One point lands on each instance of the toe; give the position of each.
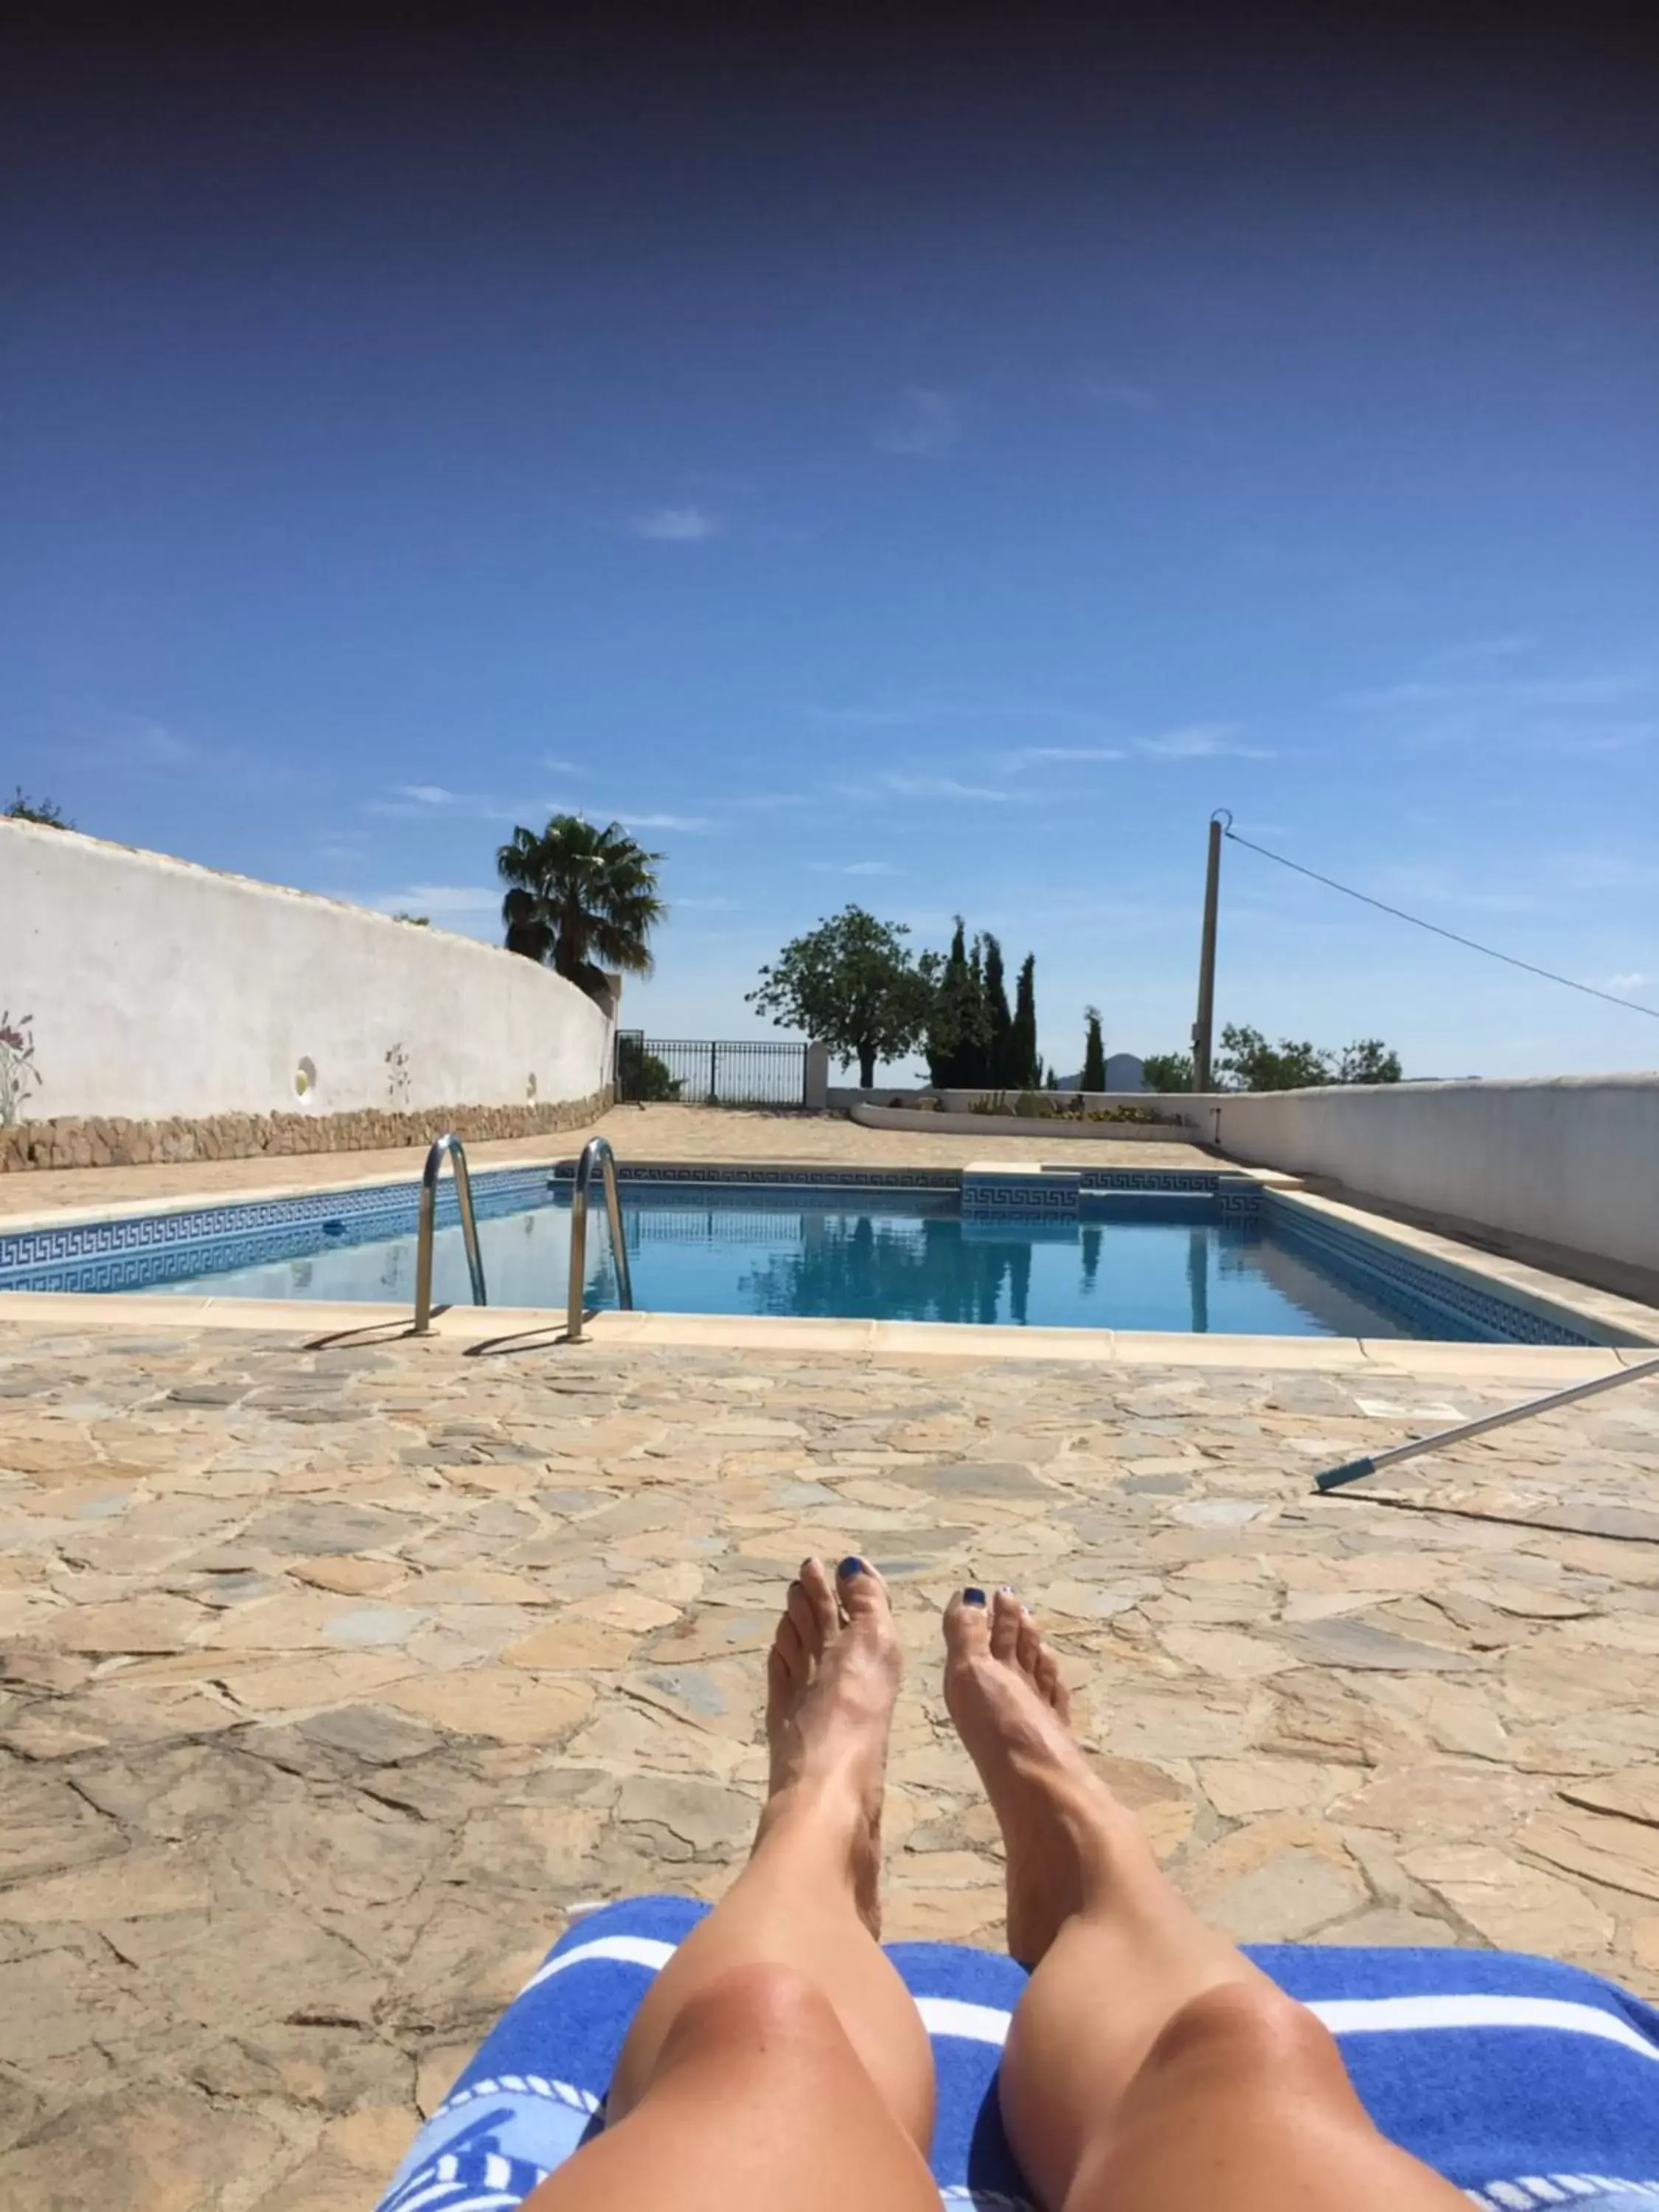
(802, 1615)
(968, 1626)
(821, 1596)
(1049, 1685)
(1005, 1617)
(1029, 1650)
(862, 1589)
(790, 1653)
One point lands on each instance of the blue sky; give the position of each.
(938, 488)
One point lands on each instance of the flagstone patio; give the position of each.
(336, 1678)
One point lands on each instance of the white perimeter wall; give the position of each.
(161, 988)
(1571, 1160)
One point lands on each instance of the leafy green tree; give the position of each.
(1368, 1060)
(45, 812)
(1025, 1068)
(1094, 1052)
(1167, 1071)
(582, 900)
(1247, 1062)
(643, 1077)
(852, 984)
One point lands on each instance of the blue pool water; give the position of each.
(1171, 1263)
(1196, 1252)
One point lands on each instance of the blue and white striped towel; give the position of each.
(1526, 2084)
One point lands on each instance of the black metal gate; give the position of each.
(709, 1072)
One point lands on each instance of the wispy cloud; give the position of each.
(1202, 741)
(1632, 979)
(1605, 870)
(693, 825)
(770, 802)
(151, 744)
(1504, 647)
(707, 905)
(944, 705)
(853, 868)
(925, 424)
(1434, 887)
(562, 767)
(1032, 756)
(438, 899)
(676, 525)
(407, 800)
(1114, 393)
(939, 786)
(1524, 691)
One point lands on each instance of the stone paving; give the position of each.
(336, 1678)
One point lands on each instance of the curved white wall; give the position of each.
(159, 988)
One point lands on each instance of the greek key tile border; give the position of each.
(1035, 1197)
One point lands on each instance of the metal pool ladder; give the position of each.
(595, 1152)
(430, 1174)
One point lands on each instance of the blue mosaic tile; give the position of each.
(380, 1210)
(1376, 1260)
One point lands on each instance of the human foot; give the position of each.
(832, 1677)
(1061, 1825)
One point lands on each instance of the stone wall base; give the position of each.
(101, 1141)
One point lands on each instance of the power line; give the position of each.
(1435, 930)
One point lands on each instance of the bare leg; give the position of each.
(778, 2051)
(1149, 2066)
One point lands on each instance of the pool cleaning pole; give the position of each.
(1334, 1477)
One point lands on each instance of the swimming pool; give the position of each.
(1192, 1252)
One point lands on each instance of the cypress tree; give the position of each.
(951, 1015)
(972, 1064)
(1094, 1053)
(1000, 1048)
(1026, 1071)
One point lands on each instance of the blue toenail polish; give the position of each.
(851, 1566)
(973, 1596)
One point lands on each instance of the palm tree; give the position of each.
(582, 900)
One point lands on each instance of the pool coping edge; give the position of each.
(501, 1330)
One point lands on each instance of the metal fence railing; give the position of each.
(709, 1072)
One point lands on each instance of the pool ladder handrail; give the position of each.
(595, 1152)
(451, 1146)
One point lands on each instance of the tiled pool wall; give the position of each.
(1440, 1285)
(137, 1251)
(131, 1252)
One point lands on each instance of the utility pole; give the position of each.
(1204, 1027)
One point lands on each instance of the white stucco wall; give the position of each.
(159, 988)
(1571, 1160)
